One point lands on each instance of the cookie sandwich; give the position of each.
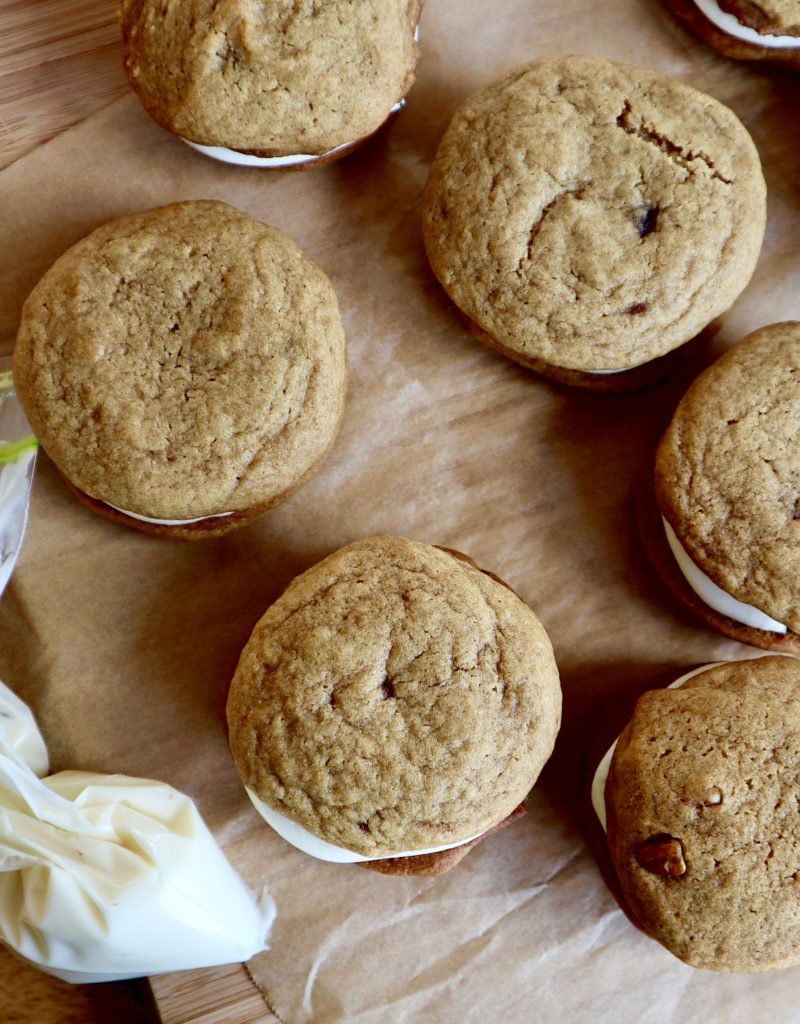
(271, 85)
(589, 218)
(724, 529)
(768, 30)
(394, 706)
(699, 798)
(184, 368)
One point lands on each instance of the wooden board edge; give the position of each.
(213, 995)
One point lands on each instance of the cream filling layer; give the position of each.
(729, 24)
(601, 775)
(233, 156)
(714, 596)
(603, 373)
(307, 842)
(166, 522)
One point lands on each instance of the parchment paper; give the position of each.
(124, 644)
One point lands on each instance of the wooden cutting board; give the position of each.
(60, 61)
(217, 995)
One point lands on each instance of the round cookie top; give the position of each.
(277, 78)
(728, 472)
(702, 815)
(394, 698)
(593, 215)
(769, 17)
(183, 362)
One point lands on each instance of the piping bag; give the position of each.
(17, 460)
(102, 877)
(105, 877)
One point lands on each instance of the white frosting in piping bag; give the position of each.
(307, 842)
(104, 877)
(714, 596)
(20, 739)
(733, 27)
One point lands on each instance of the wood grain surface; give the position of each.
(217, 995)
(29, 997)
(60, 61)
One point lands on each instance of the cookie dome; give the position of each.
(728, 472)
(183, 362)
(272, 79)
(702, 815)
(394, 698)
(591, 215)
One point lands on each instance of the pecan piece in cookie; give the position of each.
(663, 855)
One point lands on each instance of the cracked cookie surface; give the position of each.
(183, 362)
(710, 771)
(302, 76)
(394, 698)
(593, 215)
(728, 472)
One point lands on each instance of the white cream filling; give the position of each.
(733, 27)
(166, 522)
(714, 596)
(233, 156)
(603, 373)
(308, 843)
(601, 775)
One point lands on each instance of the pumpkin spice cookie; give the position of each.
(393, 706)
(590, 218)
(726, 532)
(768, 30)
(277, 85)
(184, 368)
(701, 809)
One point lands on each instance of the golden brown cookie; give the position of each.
(592, 217)
(185, 364)
(703, 829)
(727, 484)
(767, 31)
(275, 80)
(395, 699)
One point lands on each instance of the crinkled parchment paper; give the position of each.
(124, 645)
